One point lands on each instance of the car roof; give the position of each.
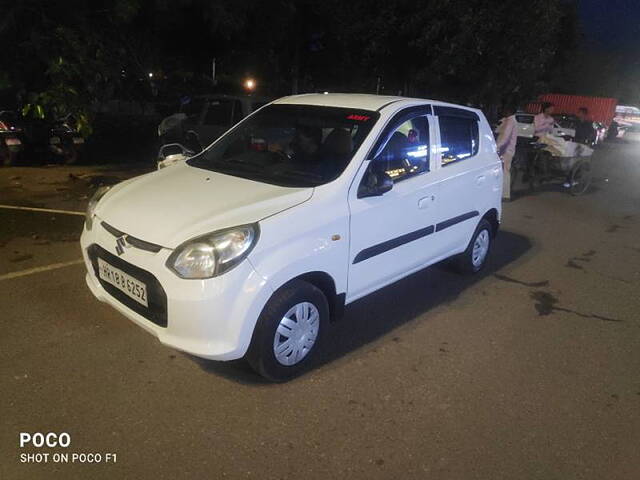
(361, 101)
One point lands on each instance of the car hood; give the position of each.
(172, 205)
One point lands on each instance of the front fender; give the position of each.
(307, 238)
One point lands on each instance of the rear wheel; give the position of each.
(7, 157)
(580, 178)
(289, 331)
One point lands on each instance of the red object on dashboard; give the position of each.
(358, 118)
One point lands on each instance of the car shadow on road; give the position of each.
(403, 302)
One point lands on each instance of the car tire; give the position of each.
(473, 259)
(269, 354)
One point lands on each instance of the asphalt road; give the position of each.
(530, 370)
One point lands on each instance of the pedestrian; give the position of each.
(543, 122)
(506, 144)
(585, 133)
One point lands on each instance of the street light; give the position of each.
(150, 74)
(250, 84)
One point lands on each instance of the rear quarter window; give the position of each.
(459, 138)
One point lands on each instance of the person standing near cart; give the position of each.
(543, 122)
(585, 133)
(506, 144)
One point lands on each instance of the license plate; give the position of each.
(12, 141)
(123, 282)
(78, 140)
(54, 140)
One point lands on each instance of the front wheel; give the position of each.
(580, 178)
(473, 259)
(70, 155)
(289, 331)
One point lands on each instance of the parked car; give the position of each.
(526, 128)
(250, 248)
(11, 140)
(632, 133)
(202, 119)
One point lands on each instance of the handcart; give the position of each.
(538, 164)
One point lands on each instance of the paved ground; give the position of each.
(528, 371)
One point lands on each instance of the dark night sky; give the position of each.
(613, 24)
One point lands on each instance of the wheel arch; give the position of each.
(492, 217)
(327, 285)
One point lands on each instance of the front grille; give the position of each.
(112, 230)
(133, 241)
(156, 312)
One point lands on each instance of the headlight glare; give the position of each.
(213, 254)
(93, 203)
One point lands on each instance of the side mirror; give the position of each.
(173, 153)
(375, 184)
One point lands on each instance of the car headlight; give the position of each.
(91, 207)
(213, 254)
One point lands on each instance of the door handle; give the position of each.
(480, 180)
(426, 201)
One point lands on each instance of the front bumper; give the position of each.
(211, 318)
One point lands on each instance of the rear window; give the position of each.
(223, 113)
(192, 107)
(459, 138)
(524, 119)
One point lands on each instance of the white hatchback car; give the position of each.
(251, 247)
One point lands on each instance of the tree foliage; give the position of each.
(67, 56)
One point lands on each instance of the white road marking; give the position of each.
(31, 271)
(45, 210)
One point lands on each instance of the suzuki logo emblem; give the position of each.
(121, 243)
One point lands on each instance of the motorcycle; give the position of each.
(11, 141)
(65, 141)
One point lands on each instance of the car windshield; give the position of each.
(290, 145)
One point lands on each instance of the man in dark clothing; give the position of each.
(585, 133)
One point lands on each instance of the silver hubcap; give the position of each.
(480, 248)
(296, 333)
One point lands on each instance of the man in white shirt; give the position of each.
(543, 122)
(506, 143)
